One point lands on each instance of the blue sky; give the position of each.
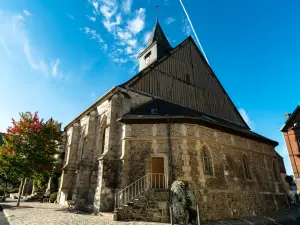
(57, 56)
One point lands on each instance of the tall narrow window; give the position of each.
(103, 140)
(83, 148)
(246, 168)
(275, 171)
(207, 166)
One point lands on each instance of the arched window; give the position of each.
(206, 159)
(275, 171)
(246, 168)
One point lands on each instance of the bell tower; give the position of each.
(158, 46)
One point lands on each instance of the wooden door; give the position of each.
(157, 172)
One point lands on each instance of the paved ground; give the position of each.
(3, 220)
(34, 213)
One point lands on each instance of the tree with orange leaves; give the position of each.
(29, 148)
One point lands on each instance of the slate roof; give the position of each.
(161, 111)
(159, 36)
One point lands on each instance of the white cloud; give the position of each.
(95, 4)
(170, 20)
(19, 17)
(92, 34)
(146, 37)
(109, 25)
(92, 18)
(123, 34)
(71, 16)
(42, 66)
(27, 13)
(127, 6)
(246, 118)
(4, 45)
(128, 50)
(120, 60)
(132, 42)
(187, 30)
(108, 11)
(138, 23)
(55, 67)
(125, 42)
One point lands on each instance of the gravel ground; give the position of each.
(35, 213)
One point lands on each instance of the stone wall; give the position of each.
(93, 165)
(227, 192)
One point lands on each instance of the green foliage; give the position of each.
(29, 146)
(183, 202)
(53, 197)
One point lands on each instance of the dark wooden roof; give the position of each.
(161, 111)
(183, 77)
(289, 122)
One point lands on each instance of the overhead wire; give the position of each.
(190, 22)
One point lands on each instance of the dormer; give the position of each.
(158, 46)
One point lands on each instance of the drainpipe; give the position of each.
(170, 168)
(170, 154)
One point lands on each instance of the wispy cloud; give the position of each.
(4, 46)
(187, 30)
(146, 37)
(41, 65)
(138, 23)
(246, 118)
(27, 13)
(167, 2)
(92, 18)
(71, 16)
(92, 34)
(170, 20)
(18, 45)
(19, 17)
(123, 25)
(55, 67)
(127, 6)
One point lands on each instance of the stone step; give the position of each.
(108, 216)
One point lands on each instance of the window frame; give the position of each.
(246, 168)
(207, 162)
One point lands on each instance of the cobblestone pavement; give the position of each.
(35, 213)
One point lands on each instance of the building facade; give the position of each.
(171, 121)
(291, 133)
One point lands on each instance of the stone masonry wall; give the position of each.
(225, 193)
(93, 168)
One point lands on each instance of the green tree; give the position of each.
(30, 146)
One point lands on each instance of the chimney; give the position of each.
(287, 116)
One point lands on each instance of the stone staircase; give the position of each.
(151, 205)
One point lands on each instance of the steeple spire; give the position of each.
(158, 46)
(159, 36)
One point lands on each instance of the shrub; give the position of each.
(53, 197)
(183, 202)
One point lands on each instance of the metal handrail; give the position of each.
(149, 181)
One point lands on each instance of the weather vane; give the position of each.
(156, 12)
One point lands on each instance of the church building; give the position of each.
(171, 121)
